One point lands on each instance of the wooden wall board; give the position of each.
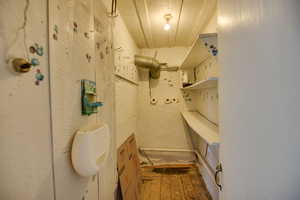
(129, 169)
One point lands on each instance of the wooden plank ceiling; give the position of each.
(145, 20)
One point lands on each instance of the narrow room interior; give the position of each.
(149, 100)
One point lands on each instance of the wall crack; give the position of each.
(20, 29)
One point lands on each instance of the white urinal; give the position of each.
(90, 150)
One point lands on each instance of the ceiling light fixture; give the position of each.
(167, 26)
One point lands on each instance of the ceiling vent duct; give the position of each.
(149, 63)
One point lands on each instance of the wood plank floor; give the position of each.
(173, 183)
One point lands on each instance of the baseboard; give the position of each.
(163, 156)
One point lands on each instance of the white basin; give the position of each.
(90, 150)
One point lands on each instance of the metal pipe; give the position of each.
(148, 63)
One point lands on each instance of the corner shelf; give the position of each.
(204, 128)
(198, 53)
(211, 82)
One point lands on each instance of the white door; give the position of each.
(259, 43)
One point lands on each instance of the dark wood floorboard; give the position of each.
(173, 183)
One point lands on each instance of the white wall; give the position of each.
(69, 65)
(66, 77)
(25, 107)
(25, 139)
(126, 91)
(259, 99)
(161, 125)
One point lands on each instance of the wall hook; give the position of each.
(21, 65)
(88, 97)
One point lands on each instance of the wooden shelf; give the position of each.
(211, 82)
(198, 53)
(195, 56)
(204, 128)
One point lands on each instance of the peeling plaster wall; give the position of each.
(79, 30)
(126, 92)
(126, 110)
(27, 110)
(106, 84)
(161, 125)
(25, 140)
